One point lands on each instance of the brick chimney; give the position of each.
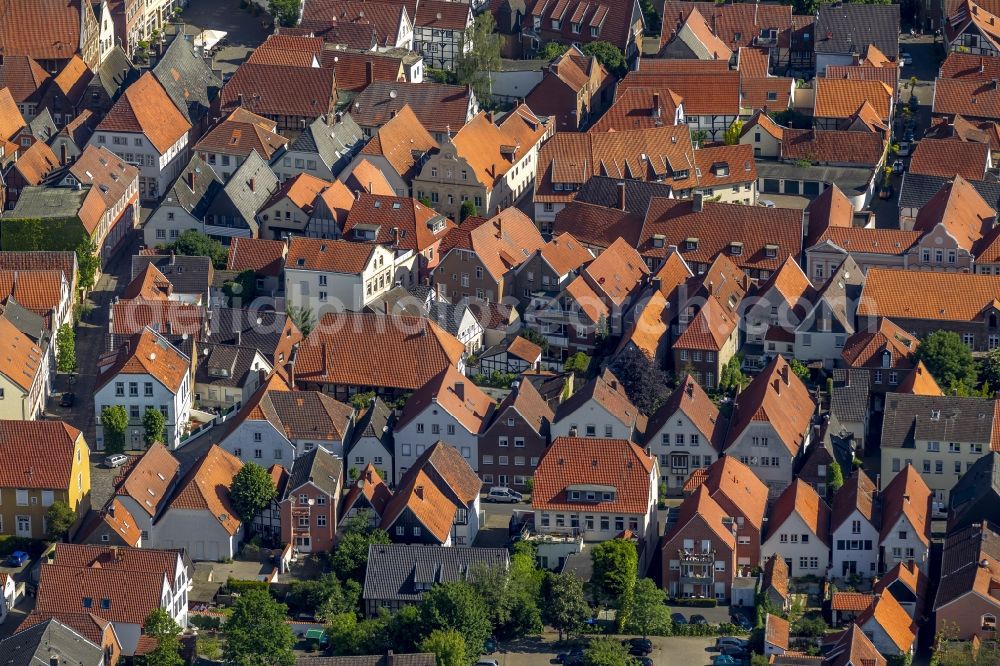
(621, 195)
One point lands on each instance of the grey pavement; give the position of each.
(245, 29)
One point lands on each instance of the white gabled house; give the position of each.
(338, 275)
(448, 408)
(601, 408)
(906, 521)
(799, 529)
(854, 528)
(145, 372)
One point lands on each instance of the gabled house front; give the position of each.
(854, 528)
(799, 529)
(310, 506)
(601, 408)
(906, 520)
(699, 550)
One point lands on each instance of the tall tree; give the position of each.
(114, 420)
(732, 379)
(87, 263)
(303, 317)
(650, 614)
(949, 360)
(66, 349)
(474, 66)
(565, 608)
(197, 244)
(616, 568)
(350, 558)
(59, 517)
(165, 631)
(448, 647)
(252, 490)
(256, 632)
(242, 289)
(644, 381)
(834, 477)
(731, 136)
(285, 12)
(608, 55)
(154, 424)
(456, 605)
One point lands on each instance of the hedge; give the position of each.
(237, 586)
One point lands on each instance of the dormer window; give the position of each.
(300, 262)
(737, 36)
(935, 415)
(595, 30)
(576, 28)
(772, 96)
(770, 251)
(736, 248)
(659, 240)
(691, 244)
(681, 174)
(556, 24)
(720, 169)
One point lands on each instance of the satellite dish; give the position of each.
(184, 337)
(392, 94)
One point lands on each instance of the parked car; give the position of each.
(67, 399)
(638, 647)
(729, 641)
(898, 167)
(734, 651)
(502, 494)
(678, 618)
(698, 619)
(17, 558)
(115, 460)
(905, 58)
(741, 621)
(766, 203)
(571, 658)
(905, 148)
(723, 660)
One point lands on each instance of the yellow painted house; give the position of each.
(43, 462)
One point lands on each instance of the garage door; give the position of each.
(791, 187)
(810, 188)
(772, 185)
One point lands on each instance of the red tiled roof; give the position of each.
(371, 486)
(403, 140)
(865, 348)
(850, 601)
(703, 93)
(894, 620)
(264, 257)
(699, 505)
(331, 256)
(206, 487)
(440, 108)
(41, 291)
(35, 163)
(150, 478)
(871, 241)
(899, 294)
(639, 108)
(709, 330)
(969, 66)
(456, 395)
(571, 461)
(351, 68)
(385, 18)
(942, 157)
(616, 272)
(967, 97)
(857, 494)
(773, 93)
(778, 396)
(148, 353)
(887, 75)
(241, 133)
(145, 108)
(832, 146)
(725, 165)
(281, 90)
(776, 631)
(690, 399)
(907, 495)
(23, 76)
(841, 98)
(39, 454)
(800, 499)
(409, 216)
(63, 589)
(41, 29)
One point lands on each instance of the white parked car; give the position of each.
(502, 494)
(115, 460)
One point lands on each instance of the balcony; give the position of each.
(697, 580)
(697, 556)
(557, 340)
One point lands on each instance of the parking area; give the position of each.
(245, 29)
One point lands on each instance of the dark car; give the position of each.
(741, 621)
(17, 558)
(642, 661)
(67, 400)
(638, 647)
(678, 618)
(734, 651)
(698, 619)
(572, 658)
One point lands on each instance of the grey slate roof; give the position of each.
(909, 418)
(188, 79)
(447, 315)
(963, 551)
(115, 71)
(195, 200)
(38, 644)
(851, 391)
(246, 200)
(48, 202)
(395, 569)
(410, 659)
(400, 301)
(189, 275)
(851, 180)
(24, 320)
(43, 126)
(603, 191)
(320, 467)
(917, 189)
(376, 422)
(847, 27)
(335, 144)
(225, 322)
(976, 493)
(224, 365)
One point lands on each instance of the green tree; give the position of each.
(285, 12)
(196, 244)
(578, 364)
(565, 608)
(59, 517)
(604, 651)
(66, 349)
(303, 317)
(114, 420)
(448, 647)
(473, 67)
(989, 368)
(324, 597)
(350, 636)
(360, 401)
(87, 263)
(511, 594)
(468, 209)
(251, 491)
(425, 201)
(699, 137)
(531, 335)
(834, 477)
(948, 359)
(242, 289)
(616, 568)
(732, 379)
(162, 627)
(800, 369)
(404, 629)
(731, 136)
(608, 55)
(551, 50)
(644, 381)
(456, 605)
(350, 558)
(256, 632)
(154, 425)
(650, 614)
(651, 16)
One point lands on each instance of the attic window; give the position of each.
(691, 244)
(88, 602)
(300, 262)
(658, 240)
(736, 248)
(772, 96)
(771, 251)
(105, 604)
(720, 169)
(935, 415)
(737, 36)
